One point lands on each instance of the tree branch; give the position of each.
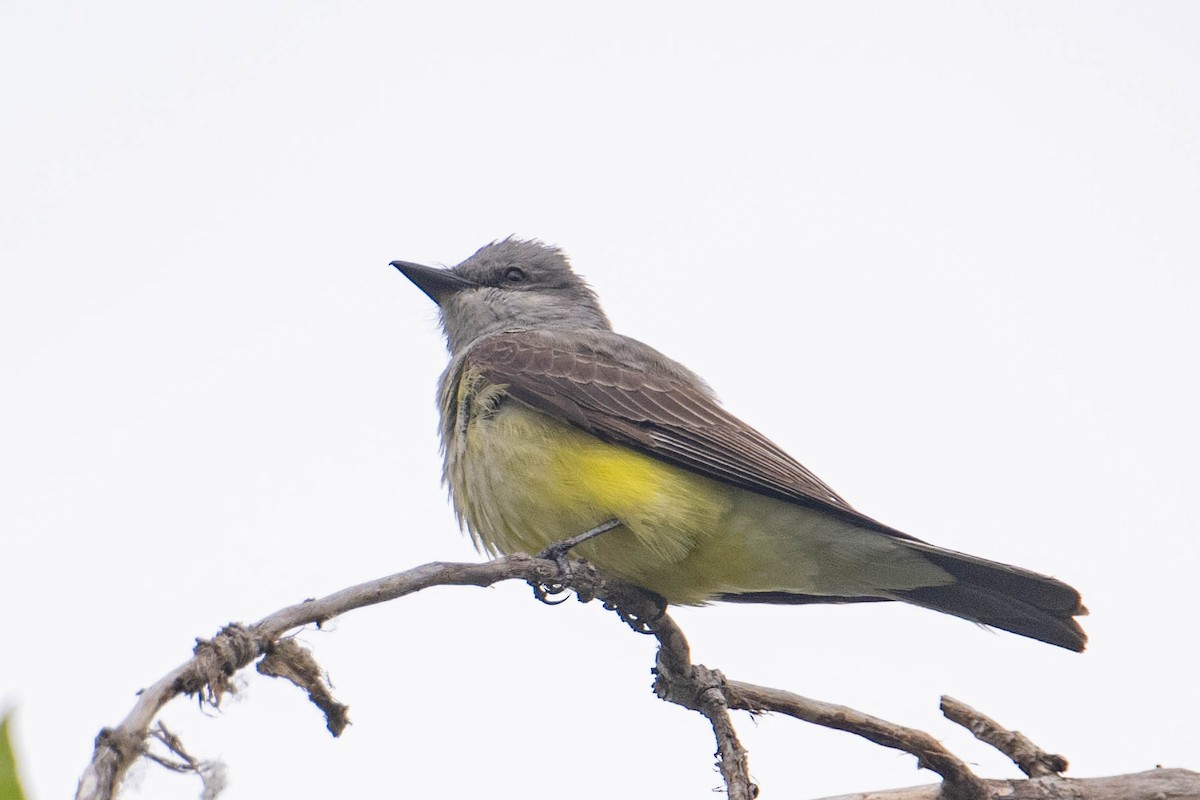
(214, 662)
(1030, 758)
(959, 783)
(1155, 784)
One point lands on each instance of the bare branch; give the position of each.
(1030, 758)
(1155, 784)
(703, 690)
(677, 680)
(211, 773)
(207, 674)
(214, 661)
(959, 782)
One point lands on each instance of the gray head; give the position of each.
(509, 285)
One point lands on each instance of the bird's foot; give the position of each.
(557, 553)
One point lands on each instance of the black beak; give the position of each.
(437, 283)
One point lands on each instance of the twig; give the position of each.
(677, 680)
(959, 783)
(701, 689)
(1030, 758)
(211, 773)
(214, 661)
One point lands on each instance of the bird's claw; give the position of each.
(545, 591)
(557, 553)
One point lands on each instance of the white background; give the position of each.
(944, 253)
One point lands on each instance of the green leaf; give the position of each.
(10, 785)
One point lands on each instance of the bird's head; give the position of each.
(508, 285)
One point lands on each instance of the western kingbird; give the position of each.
(552, 425)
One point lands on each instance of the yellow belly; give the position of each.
(522, 481)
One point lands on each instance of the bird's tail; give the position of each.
(1002, 596)
(987, 592)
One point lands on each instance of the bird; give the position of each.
(553, 425)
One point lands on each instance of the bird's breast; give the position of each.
(522, 480)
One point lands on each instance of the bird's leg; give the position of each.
(557, 553)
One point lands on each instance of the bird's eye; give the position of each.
(514, 275)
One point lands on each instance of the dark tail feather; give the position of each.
(987, 592)
(1002, 596)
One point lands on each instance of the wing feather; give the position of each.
(615, 389)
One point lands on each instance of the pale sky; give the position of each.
(945, 254)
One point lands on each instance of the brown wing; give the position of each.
(597, 382)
